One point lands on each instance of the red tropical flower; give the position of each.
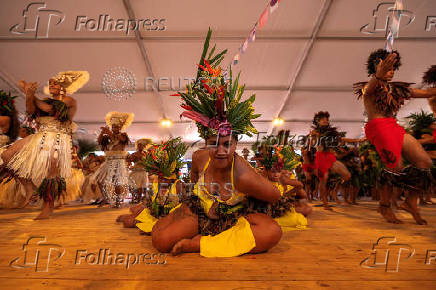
(208, 89)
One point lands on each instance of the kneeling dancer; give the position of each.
(214, 220)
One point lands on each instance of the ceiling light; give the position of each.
(277, 121)
(166, 123)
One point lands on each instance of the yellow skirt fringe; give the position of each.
(292, 221)
(233, 242)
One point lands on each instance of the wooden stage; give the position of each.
(328, 255)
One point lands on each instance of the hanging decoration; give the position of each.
(394, 26)
(260, 23)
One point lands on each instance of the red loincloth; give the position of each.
(387, 137)
(308, 167)
(434, 136)
(323, 162)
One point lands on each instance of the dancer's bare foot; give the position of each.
(129, 221)
(419, 220)
(389, 215)
(135, 210)
(25, 203)
(186, 246)
(45, 213)
(120, 218)
(425, 202)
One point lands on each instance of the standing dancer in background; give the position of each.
(113, 176)
(349, 156)
(308, 166)
(44, 158)
(12, 193)
(75, 182)
(9, 124)
(423, 128)
(90, 189)
(139, 175)
(327, 139)
(382, 100)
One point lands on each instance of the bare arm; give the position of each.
(43, 106)
(104, 131)
(253, 184)
(419, 93)
(285, 178)
(29, 89)
(426, 139)
(79, 162)
(72, 107)
(5, 123)
(382, 68)
(370, 86)
(195, 171)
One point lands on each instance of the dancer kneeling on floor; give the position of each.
(214, 220)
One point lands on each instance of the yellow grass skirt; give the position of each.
(233, 242)
(146, 221)
(292, 221)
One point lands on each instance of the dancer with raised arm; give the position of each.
(113, 176)
(43, 159)
(383, 99)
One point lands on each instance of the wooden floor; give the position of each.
(328, 255)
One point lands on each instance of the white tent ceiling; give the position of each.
(304, 60)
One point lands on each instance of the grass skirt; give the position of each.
(52, 142)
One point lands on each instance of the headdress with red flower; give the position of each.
(165, 159)
(214, 102)
(273, 155)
